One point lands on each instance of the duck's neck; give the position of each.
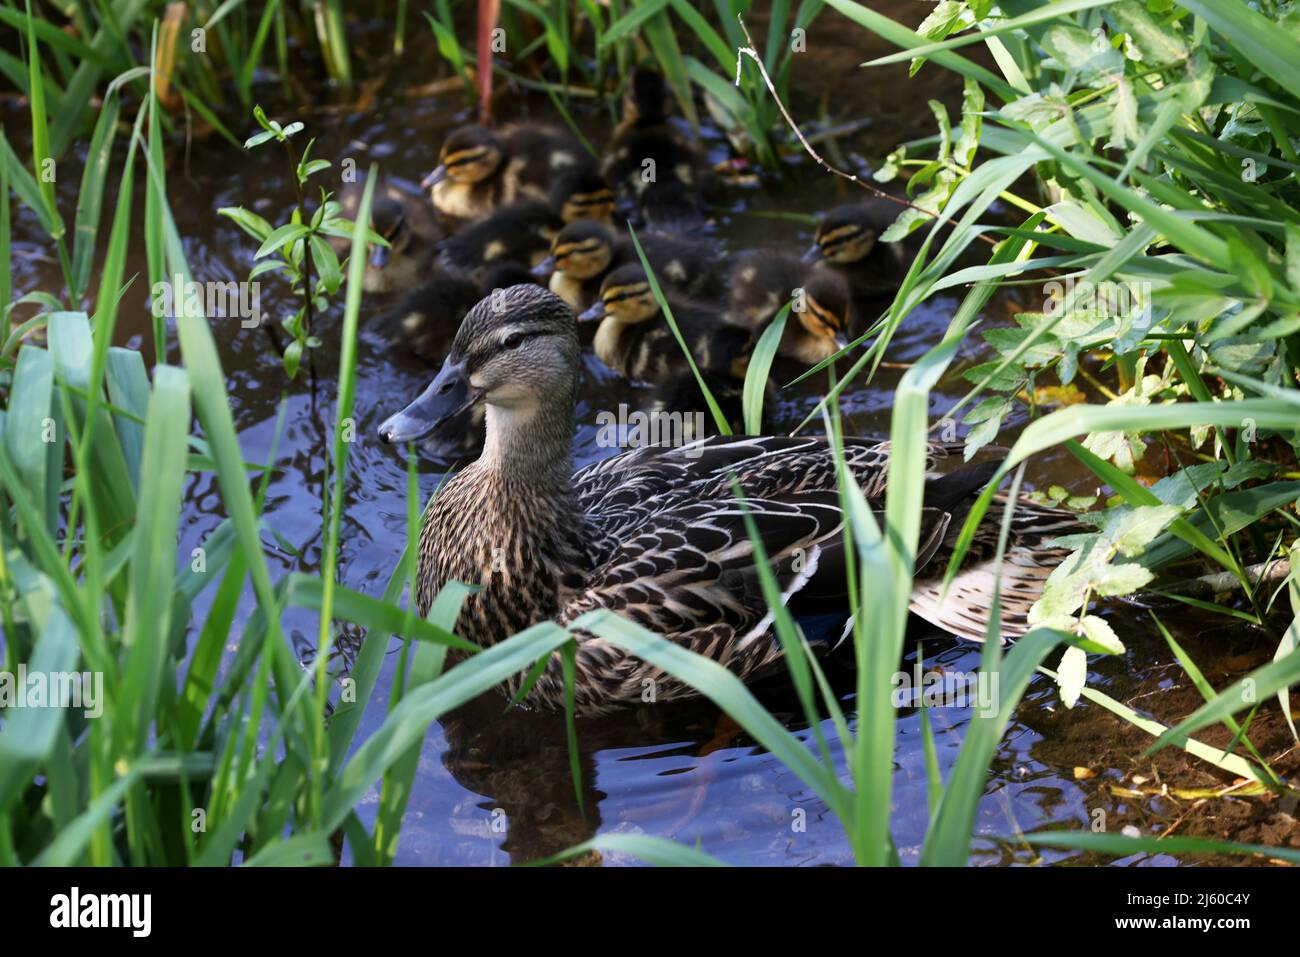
(531, 444)
(510, 523)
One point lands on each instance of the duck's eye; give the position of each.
(513, 341)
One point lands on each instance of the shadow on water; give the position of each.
(494, 787)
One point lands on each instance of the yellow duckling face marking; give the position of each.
(628, 301)
(472, 166)
(846, 244)
(593, 206)
(823, 330)
(582, 260)
(582, 250)
(469, 155)
(823, 316)
(820, 321)
(847, 234)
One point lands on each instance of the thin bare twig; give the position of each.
(751, 52)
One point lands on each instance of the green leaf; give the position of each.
(1072, 675)
(760, 366)
(280, 238)
(248, 221)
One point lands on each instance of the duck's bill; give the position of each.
(597, 311)
(434, 178)
(448, 395)
(544, 268)
(813, 253)
(378, 256)
(841, 341)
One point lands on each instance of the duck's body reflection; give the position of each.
(518, 761)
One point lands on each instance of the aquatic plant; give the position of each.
(301, 249)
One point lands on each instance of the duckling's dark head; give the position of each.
(469, 155)
(582, 250)
(388, 219)
(504, 275)
(516, 350)
(847, 234)
(625, 296)
(825, 312)
(646, 99)
(581, 193)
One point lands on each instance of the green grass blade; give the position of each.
(760, 365)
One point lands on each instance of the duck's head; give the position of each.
(646, 97)
(581, 194)
(581, 250)
(469, 154)
(825, 313)
(625, 296)
(514, 351)
(388, 219)
(846, 235)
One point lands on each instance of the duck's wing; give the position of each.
(690, 572)
(692, 575)
(1030, 557)
(620, 493)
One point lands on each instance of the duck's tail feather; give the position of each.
(1030, 557)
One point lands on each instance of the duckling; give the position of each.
(763, 281)
(401, 263)
(846, 240)
(655, 167)
(635, 340)
(681, 396)
(583, 253)
(522, 232)
(655, 534)
(424, 321)
(481, 169)
(519, 233)
(580, 194)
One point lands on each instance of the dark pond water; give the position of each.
(494, 787)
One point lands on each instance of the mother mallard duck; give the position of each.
(656, 533)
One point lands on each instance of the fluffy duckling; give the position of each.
(582, 254)
(846, 240)
(681, 395)
(654, 166)
(402, 263)
(522, 232)
(763, 281)
(519, 233)
(581, 194)
(424, 321)
(481, 169)
(634, 338)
